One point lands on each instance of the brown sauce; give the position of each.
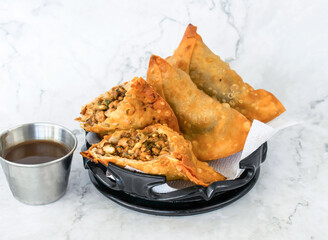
(35, 152)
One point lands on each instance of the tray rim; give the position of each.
(152, 210)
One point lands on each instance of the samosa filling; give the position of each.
(105, 105)
(134, 145)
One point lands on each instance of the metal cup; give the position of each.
(43, 183)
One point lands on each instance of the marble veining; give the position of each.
(57, 55)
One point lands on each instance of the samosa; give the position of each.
(217, 79)
(157, 149)
(133, 104)
(215, 130)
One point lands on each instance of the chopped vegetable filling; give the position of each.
(135, 145)
(107, 104)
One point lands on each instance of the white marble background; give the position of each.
(57, 55)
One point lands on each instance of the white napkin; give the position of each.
(229, 166)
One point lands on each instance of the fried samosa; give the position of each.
(214, 76)
(133, 104)
(156, 149)
(214, 129)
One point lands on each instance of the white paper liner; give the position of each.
(229, 166)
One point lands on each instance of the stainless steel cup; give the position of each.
(43, 183)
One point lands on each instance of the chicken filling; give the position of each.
(134, 145)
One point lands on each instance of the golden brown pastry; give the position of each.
(214, 129)
(133, 104)
(156, 149)
(215, 77)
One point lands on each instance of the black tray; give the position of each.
(135, 190)
(178, 208)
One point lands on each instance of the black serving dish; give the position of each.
(135, 190)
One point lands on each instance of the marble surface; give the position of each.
(57, 55)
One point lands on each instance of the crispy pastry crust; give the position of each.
(141, 107)
(179, 163)
(214, 129)
(215, 77)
